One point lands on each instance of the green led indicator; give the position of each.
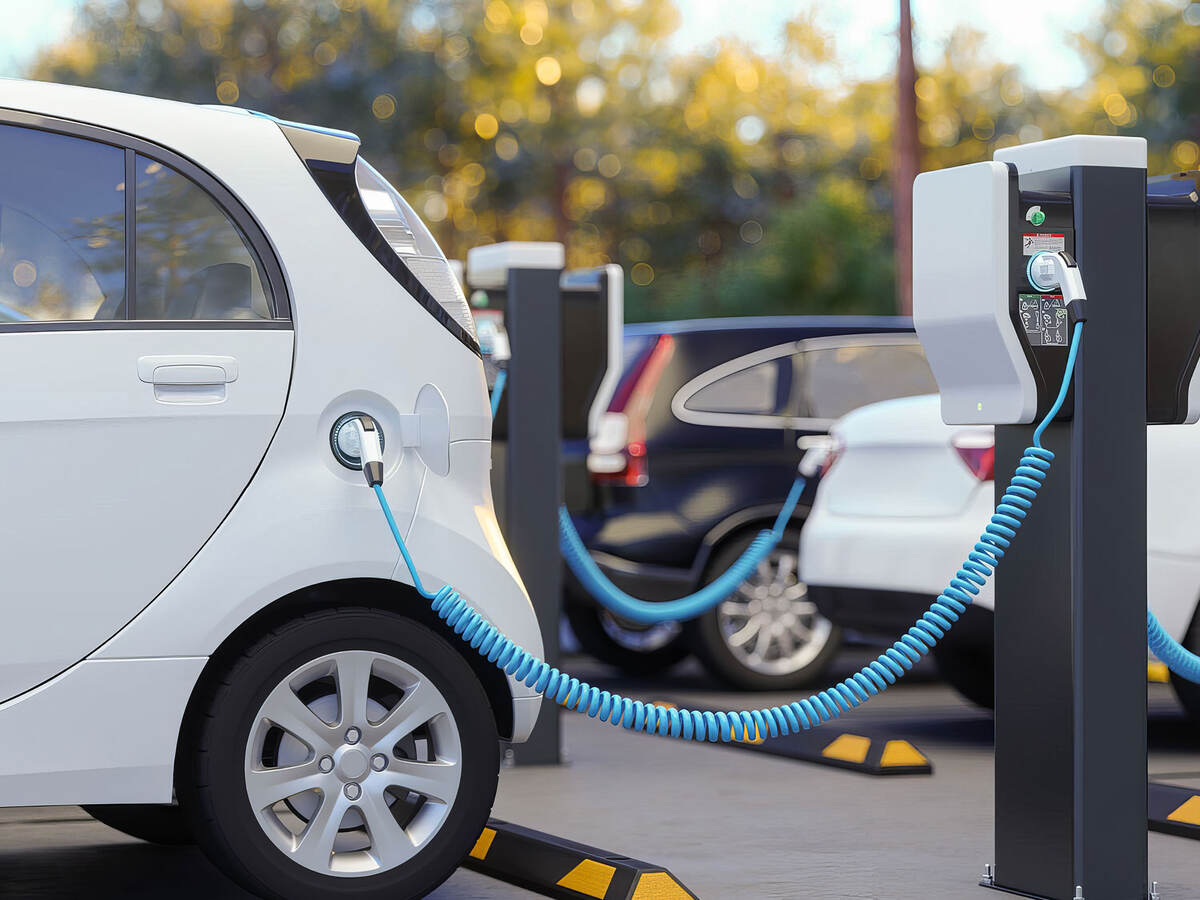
(1037, 217)
(979, 407)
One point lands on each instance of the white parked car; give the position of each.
(905, 496)
(202, 601)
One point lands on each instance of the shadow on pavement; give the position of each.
(112, 870)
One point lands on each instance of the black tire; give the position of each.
(213, 790)
(709, 643)
(611, 646)
(968, 668)
(164, 824)
(1188, 692)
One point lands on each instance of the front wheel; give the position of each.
(348, 753)
(768, 635)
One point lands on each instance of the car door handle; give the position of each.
(187, 369)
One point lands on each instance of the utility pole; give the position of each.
(907, 160)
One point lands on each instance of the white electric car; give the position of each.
(208, 629)
(903, 500)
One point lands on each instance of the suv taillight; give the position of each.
(978, 454)
(617, 451)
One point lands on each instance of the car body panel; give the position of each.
(855, 537)
(112, 489)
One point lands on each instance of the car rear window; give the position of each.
(841, 379)
(755, 390)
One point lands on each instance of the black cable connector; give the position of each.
(1077, 311)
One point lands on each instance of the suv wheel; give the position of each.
(348, 753)
(767, 635)
(634, 649)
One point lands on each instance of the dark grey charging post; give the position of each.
(524, 280)
(1070, 618)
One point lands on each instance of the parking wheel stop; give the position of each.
(1173, 809)
(555, 867)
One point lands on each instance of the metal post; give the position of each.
(533, 475)
(1071, 593)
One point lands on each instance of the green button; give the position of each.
(1037, 217)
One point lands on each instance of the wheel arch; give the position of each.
(383, 594)
(752, 518)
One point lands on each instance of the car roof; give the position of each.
(847, 324)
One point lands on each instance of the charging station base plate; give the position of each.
(1012, 892)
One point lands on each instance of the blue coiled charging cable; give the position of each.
(498, 390)
(649, 612)
(774, 721)
(645, 612)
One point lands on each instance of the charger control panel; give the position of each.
(986, 305)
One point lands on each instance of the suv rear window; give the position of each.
(841, 379)
(755, 390)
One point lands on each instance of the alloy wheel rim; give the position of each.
(353, 763)
(769, 623)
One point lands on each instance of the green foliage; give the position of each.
(827, 255)
(570, 120)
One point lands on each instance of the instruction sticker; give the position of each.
(1036, 241)
(1044, 317)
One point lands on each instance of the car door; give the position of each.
(145, 356)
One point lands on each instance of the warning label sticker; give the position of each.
(1045, 319)
(1037, 241)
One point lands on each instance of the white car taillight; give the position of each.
(409, 239)
(978, 453)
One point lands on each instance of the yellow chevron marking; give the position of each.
(590, 878)
(851, 748)
(1188, 813)
(901, 753)
(484, 844)
(659, 886)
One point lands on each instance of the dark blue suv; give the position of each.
(695, 455)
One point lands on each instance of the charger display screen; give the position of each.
(1044, 317)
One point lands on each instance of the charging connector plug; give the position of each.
(1050, 270)
(371, 450)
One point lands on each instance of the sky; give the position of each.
(1031, 33)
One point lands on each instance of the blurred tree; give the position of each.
(724, 181)
(828, 254)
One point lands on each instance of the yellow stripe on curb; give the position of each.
(1157, 673)
(901, 753)
(659, 886)
(484, 844)
(590, 878)
(851, 748)
(1188, 813)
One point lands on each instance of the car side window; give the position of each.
(840, 379)
(754, 390)
(62, 228)
(191, 260)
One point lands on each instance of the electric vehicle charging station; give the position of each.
(994, 287)
(562, 347)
